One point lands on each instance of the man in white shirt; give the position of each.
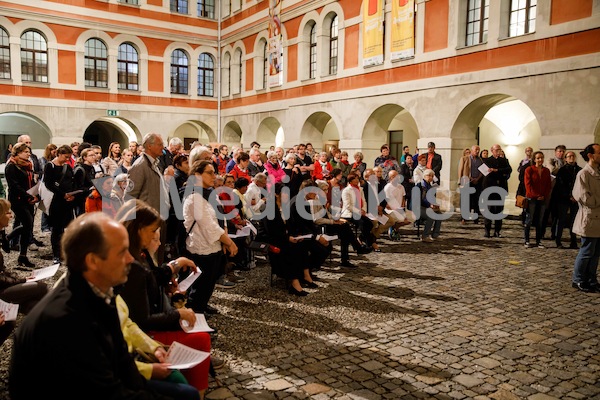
(395, 195)
(255, 195)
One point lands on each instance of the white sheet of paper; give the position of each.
(74, 192)
(308, 236)
(484, 169)
(43, 273)
(240, 233)
(329, 238)
(181, 356)
(35, 190)
(371, 217)
(252, 228)
(9, 310)
(200, 326)
(382, 219)
(187, 282)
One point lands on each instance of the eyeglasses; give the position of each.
(209, 172)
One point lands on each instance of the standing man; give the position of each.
(555, 163)
(77, 324)
(498, 174)
(149, 183)
(434, 160)
(405, 154)
(306, 163)
(222, 159)
(166, 159)
(468, 172)
(256, 165)
(587, 193)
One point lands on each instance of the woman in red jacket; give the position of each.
(537, 188)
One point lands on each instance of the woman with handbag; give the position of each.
(58, 179)
(537, 188)
(19, 176)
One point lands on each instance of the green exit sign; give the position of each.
(112, 113)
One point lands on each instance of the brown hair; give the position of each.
(19, 148)
(88, 226)
(136, 214)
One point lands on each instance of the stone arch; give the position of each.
(496, 118)
(232, 134)
(105, 130)
(15, 124)
(597, 132)
(266, 133)
(391, 124)
(321, 129)
(193, 130)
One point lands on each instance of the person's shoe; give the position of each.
(559, 246)
(347, 264)
(363, 250)
(216, 362)
(595, 287)
(5, 244)
(300, 293)
(222, 283)
(582, 287)
(462, 221)
(427, 239)
(310, 285)
(56, 260)
(38, 243)
(46, 232)
(14, 245)
(23, 261)
(487, 235)
(497, 234)
(540, 246)
(232, 277)
(210, 310)
(528, 245)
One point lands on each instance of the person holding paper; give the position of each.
(354, 209)
(14, 289)
(499, 171)
(76, 326)
(290, 263)
(425, 185)
(147, 289)
(20, 178)
(58, 179)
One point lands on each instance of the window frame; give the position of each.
(333, 46)
(5, 70)
(208, 88)
(481, 22)
(178, 69)
(125, 72)
(176, 6)
(529, 23)
(206, 10)
(312, 52)
(38, 77)
(96, 71)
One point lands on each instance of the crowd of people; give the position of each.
(153, 215)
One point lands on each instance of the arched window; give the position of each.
(4, 55)
(96, 63)
(34, 57)
(333, 46)
(206, 8)
(206, 75)
(179, 72)
(312, 59)
(239, 70)
(128, 67)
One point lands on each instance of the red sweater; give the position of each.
(536, 185)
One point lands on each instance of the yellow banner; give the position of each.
(372, 32)
(403, 29)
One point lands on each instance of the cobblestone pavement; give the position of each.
(464, 317)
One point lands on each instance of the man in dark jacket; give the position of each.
(498, 174)
(434, 160)
(71, 341)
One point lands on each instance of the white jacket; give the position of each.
(587, 193)
(350, 204)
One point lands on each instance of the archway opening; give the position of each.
(232, 134)
(195, 131)
(106, 130)
(15, 124)
(267, 133)
(321, 130)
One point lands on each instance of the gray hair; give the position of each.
(175, 142)
(197, 152)
(428, 172)
(150, 138)
(259, 177)
(289, 156)
(271, 153)
(119, 178)
(254, 150)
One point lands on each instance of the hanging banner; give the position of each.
(373, 32)
(275, 45)
(403, 29)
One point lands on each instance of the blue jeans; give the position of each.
(429, 224)
(586, 263)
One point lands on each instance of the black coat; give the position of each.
(72, 343)
(18, 184)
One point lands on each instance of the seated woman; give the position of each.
(291, 262)
(14, 289)
(145, 291)
(340, 227)
(354, 209)
(425, 185)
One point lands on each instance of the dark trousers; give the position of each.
(61, 214)
(346, 236)
(535, 213)
(24, 213)
(365, 225)
(497, 223)
(202, 289)
(566, 217)
(474, 199)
